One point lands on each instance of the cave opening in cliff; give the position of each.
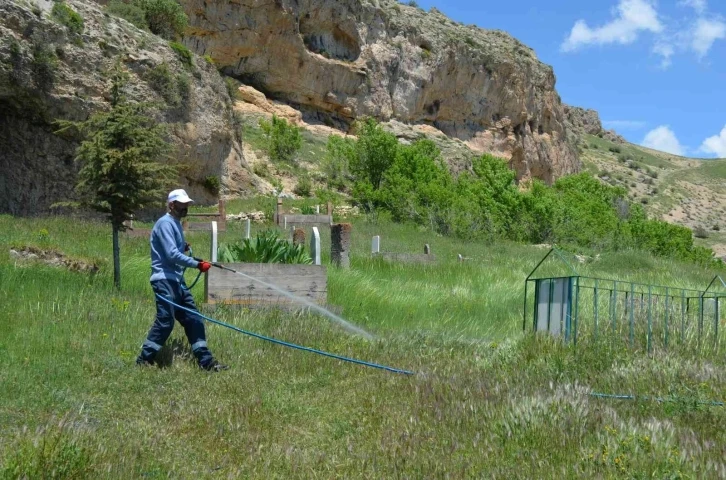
(329, 40)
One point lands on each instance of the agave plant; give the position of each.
(266, 247)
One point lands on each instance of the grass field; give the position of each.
(486, 401)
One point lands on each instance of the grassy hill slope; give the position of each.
(685, 191)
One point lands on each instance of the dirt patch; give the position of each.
(53, 258)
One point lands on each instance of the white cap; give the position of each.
(179, 196)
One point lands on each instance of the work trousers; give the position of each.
(164, 323)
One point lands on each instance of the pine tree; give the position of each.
(119, 158)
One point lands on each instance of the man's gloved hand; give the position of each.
(204, 266)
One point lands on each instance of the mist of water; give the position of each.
(341, 321)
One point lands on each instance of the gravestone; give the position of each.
(315, 247)
(340, 244)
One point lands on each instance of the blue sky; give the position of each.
(654, 70)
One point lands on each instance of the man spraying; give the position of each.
(167, 280)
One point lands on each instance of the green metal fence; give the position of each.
(642, 316)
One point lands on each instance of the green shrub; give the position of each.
(304, 187)
(129, 12)
(44, 66)
(232, 88)
(175, 90)
(266, 247)
(185, 55)
(165, 18)
(212, 184)
(615, 149)
(375, 151)
(209, 59)
(336, 163)
(65, 15)
(261, 170)
(283, 140)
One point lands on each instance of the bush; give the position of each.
(165, 18)
(283, 140)
(212, 184)
(45, 65)
(185, 55)
(129, 12)
(232, 88)
(486, 203)
(68, 17)
(303, 188)
(615, 149)
(175, 90)
(267, 247)
(261, 170)
(336, 163)
(716, 227)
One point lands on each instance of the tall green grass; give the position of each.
(486, 400)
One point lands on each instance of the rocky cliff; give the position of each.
(48, 72)
(581, 121)
(342, 59)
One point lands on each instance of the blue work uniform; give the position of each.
(167, 280)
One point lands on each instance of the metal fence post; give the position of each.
(632, 313)
(650, 317)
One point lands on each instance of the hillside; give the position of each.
(685, 191)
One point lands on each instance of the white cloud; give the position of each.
(698, 5)
(624, 124)
(662, 138)
(705, 33)
(715, 145)
(631, 17)
(665, 50)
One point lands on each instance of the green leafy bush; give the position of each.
(283, 140)
(304, 187)
(336, 163)
(232, 86)
(68, 17)
(412, 183)
(129, 12)
(212, 184)
(165, 18)
(266, 247)
(174, 89)
(44, 66)
(185, 55)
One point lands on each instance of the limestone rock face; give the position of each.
(48, 73)
(582, 120)
(343, 59)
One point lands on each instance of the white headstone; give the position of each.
(284, 225)
(214, 242)
(248, 228)
(315, 246)
(317, 209)
(376, 244)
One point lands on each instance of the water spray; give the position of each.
(342, 322)
(347, 325)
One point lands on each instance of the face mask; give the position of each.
(180, 209)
